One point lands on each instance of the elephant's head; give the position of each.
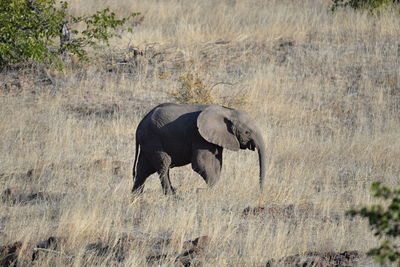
(234, 130)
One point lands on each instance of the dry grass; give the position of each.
(325, 90)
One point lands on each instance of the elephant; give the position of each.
(173, 135)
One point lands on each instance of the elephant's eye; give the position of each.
(247, 132)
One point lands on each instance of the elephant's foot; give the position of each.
(135, 198)
(169, 191)
(137, 190)
(177, 198)
(200, 190)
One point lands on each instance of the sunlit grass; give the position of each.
(324, 89)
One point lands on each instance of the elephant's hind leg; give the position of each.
(144, 169)
(161, 162)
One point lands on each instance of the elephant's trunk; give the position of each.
(259, 143)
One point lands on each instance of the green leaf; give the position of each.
(384, 221)
(33, 31)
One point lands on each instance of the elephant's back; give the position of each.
(168, 113)
(169, 119)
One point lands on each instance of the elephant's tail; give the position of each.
(136, 159)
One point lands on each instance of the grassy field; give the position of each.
(324, 88)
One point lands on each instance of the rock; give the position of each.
(111, 250)
(119, 252)
(11, 195)
(43, 247)
(193, 250)
(320, 259)
(22, 254)
(9, 254)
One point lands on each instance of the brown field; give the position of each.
(324, 88)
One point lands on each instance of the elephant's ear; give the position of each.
(215, 126)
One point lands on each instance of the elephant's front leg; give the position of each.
(207, 161)
(166, 183)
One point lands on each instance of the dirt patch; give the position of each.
(290, 211)
(158, 249)
(283, 49)
(343, 259)
(101, 110)
(118, 251)
(274, 210)
(24, 81)
(13, 196)
(3, 235)
(32, 174)
(115, 166)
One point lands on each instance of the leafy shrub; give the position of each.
(38, 30)
(384, 221)
(193, 89)
(370, 5)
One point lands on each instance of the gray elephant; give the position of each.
(173, 135)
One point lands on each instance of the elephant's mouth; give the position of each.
(251, 145)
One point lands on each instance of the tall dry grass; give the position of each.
(323, 87)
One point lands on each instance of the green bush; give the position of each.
(372, 6)
(42, 31)
(384, 221)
